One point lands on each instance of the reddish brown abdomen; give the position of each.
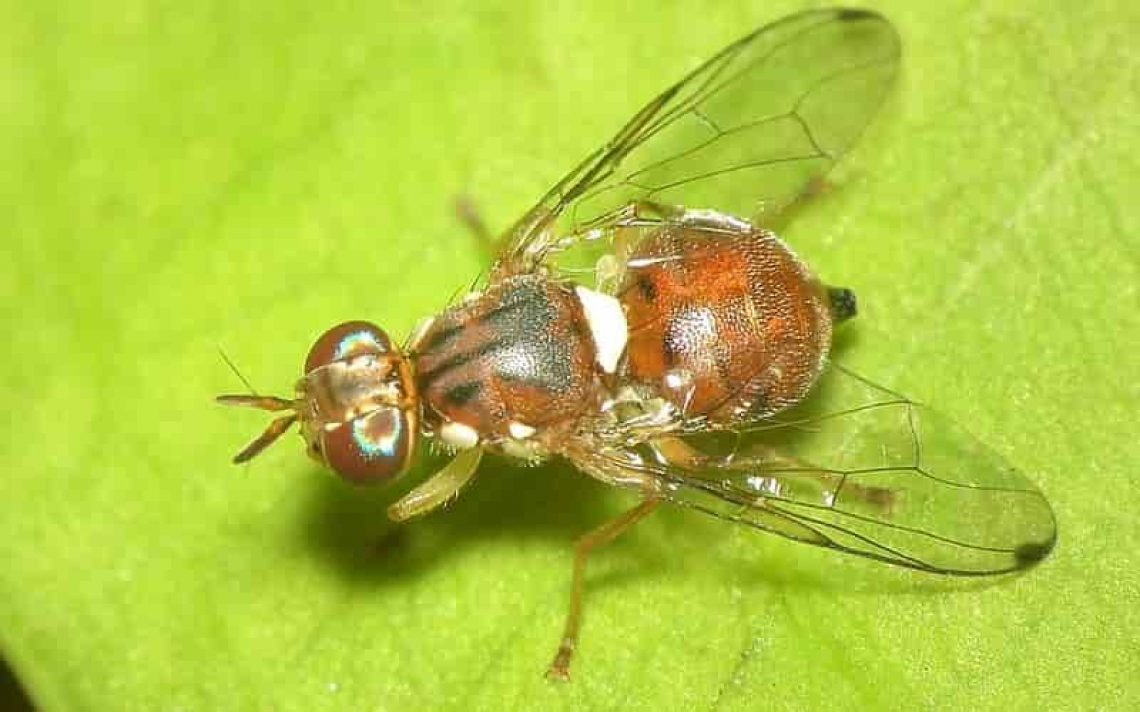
(724, 323)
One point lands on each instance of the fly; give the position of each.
(645, 322)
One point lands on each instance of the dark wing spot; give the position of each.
(848, 14)
(1032, 552)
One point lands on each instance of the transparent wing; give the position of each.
(746, 133)
(862, 470)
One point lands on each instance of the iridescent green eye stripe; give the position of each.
(352, 343)
(374, 445)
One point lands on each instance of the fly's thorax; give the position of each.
(357, 404)
(513, 366)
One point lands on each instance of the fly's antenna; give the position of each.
(271, 403)
(236, 372)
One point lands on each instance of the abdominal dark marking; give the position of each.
(647, 288)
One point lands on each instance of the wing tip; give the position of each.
(855, 14)
(1032, 553)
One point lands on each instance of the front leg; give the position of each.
(439, 488)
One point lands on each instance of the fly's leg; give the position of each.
(560, 667)
(439, 489)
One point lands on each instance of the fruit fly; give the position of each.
(644, 322)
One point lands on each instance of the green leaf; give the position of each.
(179, 177)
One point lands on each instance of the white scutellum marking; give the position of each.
(607, 325)
(458, 435)
(520, 431)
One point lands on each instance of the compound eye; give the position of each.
(344, 341)
(369, 449)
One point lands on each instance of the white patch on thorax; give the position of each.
(607, 325)
(520, 431)
(458, 435)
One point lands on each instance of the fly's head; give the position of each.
(356, 405)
